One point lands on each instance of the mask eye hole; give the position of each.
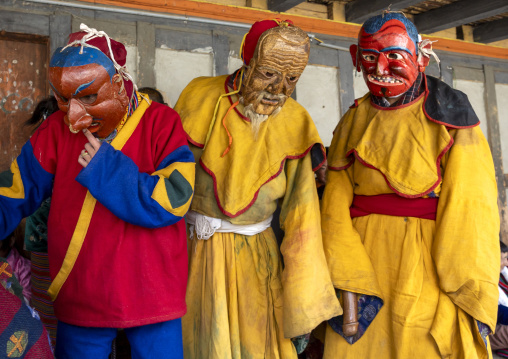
(88, 99)
(369, 57)
(394, 56)
(292, 78)
(269, 74)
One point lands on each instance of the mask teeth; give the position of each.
(386, 79)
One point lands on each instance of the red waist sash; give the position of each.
(394, 205)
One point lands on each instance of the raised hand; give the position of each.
(90, 150)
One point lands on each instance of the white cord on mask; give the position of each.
(92, 33)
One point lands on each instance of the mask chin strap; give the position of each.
(427, 52)
(92, 33)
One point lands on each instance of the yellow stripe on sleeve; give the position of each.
(16, 188)
(175, 187)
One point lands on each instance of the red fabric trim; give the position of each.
(393, 205)
(355, 104)
(231, 215)
(324, 157)
(438, 165)
(231, 100)
(396, 107)
(343, 167)
(197, 144)
(426, 92)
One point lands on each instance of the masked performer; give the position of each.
(255, 146)
(121, 178)
(410, 218)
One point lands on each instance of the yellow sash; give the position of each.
(85, 216)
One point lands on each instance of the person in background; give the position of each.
(155, 95)
(45, 108)
(23, 334)
(121, 177)
(19, 264)
(499, 340)
(254, 146)
(409, 213)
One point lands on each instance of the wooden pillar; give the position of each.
(220, 45)
(145, 41)
(257, 4)
(337, 11)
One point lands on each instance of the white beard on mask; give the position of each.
(256, 119)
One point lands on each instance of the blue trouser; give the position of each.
(160, 340)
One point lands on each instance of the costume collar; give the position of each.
(251, 162)
(447, 106)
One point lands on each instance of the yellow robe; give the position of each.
(241, 302)
(437, 279)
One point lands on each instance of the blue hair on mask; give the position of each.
(375, 23)
(71, 57)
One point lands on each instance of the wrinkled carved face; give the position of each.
(273, 73)
(388, 60)
(89, 95)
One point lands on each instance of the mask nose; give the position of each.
(77, 116)
(382, 65)
(276, 86)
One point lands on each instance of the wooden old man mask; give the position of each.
(275, 54)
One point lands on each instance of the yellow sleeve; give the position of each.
(309, 296)
(349, 264)
(466, 247)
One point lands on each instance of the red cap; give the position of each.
(251, 39)
(118, 49)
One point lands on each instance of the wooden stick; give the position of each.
(350, 321)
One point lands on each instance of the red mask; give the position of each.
(388, 59)
(99, 105)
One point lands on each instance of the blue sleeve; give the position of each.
(22, 189)
(115, 181)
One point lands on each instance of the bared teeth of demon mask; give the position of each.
(280, 57)
(387, 54)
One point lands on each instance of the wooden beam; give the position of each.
(358, 11)
(282, 5)
(316, 26)
(458, 13)
(235, 14)
(491, 31)
(495, 147)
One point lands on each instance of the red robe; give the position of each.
(132, 267)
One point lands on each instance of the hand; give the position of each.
(90, 150)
